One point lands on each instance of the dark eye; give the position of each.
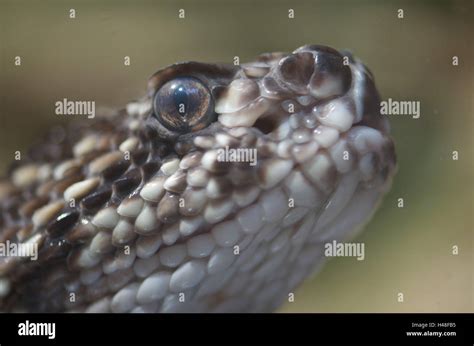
(183, 105)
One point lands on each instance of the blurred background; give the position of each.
(408, 250)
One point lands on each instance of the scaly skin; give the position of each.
(129, 215)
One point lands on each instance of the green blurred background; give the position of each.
(408, 249)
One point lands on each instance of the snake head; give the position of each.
(294, 154)
(311, 118)
(220, 187)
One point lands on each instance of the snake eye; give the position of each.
(183, 105)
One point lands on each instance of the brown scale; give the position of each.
(149, 169)
(115, 170)
(93, 202)
(63, 223)
(168, 208)
(125, 184)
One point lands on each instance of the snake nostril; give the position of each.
(266, 125)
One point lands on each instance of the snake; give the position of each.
(216, 191)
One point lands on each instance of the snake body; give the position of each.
(129, 215)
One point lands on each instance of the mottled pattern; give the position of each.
(131, 217)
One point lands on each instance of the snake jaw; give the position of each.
(175, 218)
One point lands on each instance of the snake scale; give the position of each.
(136, 211)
